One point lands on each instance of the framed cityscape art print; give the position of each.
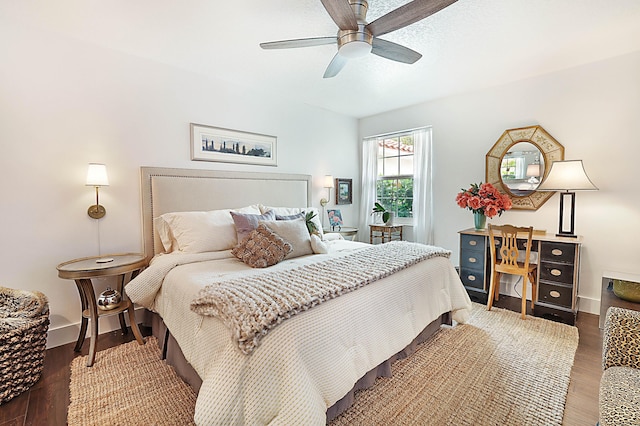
(232, 146)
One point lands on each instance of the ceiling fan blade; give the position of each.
(406, 15)
(336, 64)
(395, 52)
(300, 42)
(341, 13)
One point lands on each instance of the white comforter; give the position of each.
(311, 360)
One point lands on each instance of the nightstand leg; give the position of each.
(123, 324)
(134, 325)
(90, 299)
(84, 321)
(120, 284)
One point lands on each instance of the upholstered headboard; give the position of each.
(167, 190)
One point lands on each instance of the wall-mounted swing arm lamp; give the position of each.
(567, 177)
(97, 177)
(327, 183)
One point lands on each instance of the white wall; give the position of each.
(64, 104)
(592, 110)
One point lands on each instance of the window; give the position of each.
(394, 184)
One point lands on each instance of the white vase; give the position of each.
(389, 221)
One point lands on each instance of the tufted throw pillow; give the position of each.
(262, 248)
(245, 223)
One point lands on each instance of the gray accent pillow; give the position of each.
(245, 223)
(291, 216)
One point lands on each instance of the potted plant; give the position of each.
(311, 225)
(379, 209)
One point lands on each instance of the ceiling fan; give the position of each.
(358, 38)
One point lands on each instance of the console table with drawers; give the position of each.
(558, 267)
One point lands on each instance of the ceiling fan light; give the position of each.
(355, 49)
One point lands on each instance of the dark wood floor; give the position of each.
(582, 399)
(46, 402)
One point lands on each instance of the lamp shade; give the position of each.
(97, 175)
(533, 170)
(328, 181)
(567, 176)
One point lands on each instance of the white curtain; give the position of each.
(369, 177)
(521, 168)
(422, 187)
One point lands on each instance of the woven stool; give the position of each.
(24, 321)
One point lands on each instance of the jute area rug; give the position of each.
(495, 370)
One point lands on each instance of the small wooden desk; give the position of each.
(558, 268)
(386, 233)
(82, 271)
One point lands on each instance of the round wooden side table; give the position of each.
(83, 271)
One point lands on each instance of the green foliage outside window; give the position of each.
(396, 195)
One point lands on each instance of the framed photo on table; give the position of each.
(344, 193)
(232, 146)
(335, 219)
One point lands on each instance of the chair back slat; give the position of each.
(506, 236)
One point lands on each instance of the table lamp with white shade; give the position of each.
(567, 177)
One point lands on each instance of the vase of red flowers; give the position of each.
(485, 201)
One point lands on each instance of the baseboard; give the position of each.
(589, 305)
(69, 333)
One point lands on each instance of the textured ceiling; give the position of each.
(470, 45)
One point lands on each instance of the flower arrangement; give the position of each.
(483, 198)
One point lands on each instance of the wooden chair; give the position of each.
(510, 261)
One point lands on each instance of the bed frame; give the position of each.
(178, 190)
(167, 190)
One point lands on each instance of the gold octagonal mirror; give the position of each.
(519, 161)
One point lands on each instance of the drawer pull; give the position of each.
(556, 272)
(554, 293)
(471, 277)
(472, 260)
(473, 243)
(556, 252)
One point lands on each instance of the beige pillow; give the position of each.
(202, 231)
(262, 248)
(295, 232)
(288, 211)
(164, 233)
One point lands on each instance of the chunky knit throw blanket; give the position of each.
(252, 306)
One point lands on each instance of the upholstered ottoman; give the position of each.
(620, 383)
(24, 321)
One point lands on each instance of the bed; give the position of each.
(303, 369)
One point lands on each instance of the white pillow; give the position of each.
(318, 246)
(295, 233)
(287, 211)
(197, 232)
(164, 232)
(332, 236)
